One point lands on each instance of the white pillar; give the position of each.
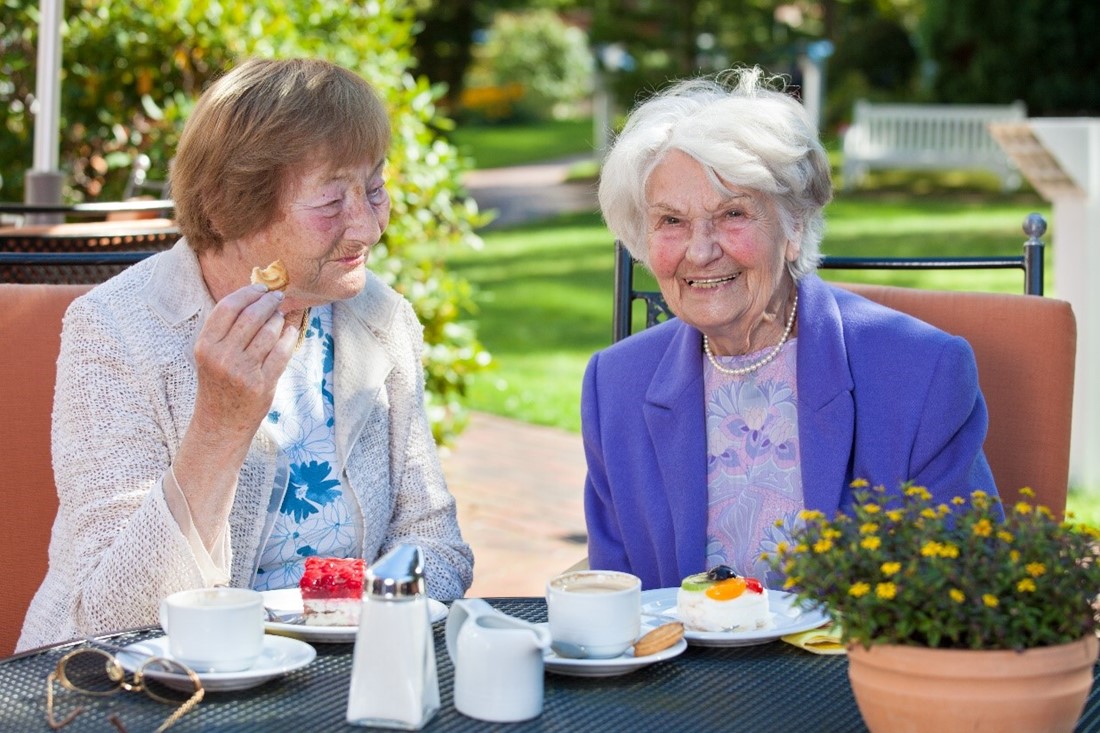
(42, 183)
(48, 87)
(1075, 235)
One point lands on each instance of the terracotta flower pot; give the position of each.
(905, 689)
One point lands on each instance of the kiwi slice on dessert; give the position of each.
(697, 582)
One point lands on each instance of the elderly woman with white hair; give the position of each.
(771, 390)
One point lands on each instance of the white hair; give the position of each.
(742, 131)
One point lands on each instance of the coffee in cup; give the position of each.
(594, 613)
(214, 629)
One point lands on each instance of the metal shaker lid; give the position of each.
(397, 574)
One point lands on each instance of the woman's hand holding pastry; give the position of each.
(241, 351)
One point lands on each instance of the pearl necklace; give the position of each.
(741, 371)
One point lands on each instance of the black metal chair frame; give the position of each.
(1031, 262)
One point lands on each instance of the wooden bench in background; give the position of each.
(929, 137)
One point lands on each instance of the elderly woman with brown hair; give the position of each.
(211, 431)
(771, 390)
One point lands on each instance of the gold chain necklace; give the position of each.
(741, 371)
(302, 330)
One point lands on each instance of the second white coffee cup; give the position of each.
(594, 613)
(214, 629)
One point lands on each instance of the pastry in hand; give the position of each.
(274, 276)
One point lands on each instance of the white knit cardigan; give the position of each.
(126, 388)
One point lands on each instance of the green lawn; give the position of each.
(495, 146)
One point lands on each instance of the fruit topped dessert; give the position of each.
(721, 600)
(332, 590)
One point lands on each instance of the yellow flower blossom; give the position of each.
(1027, 585)
(858, 590)
(928, 513)
(931, 548)
(890, 568)
(886, 591)
(859, 483)
(870, 543)
(1028, 492)
(919, 492)
(1022, 507)
(990, 600)
(789, 583)
(868, 528)
(1014, 555)
(1005, 536)
(1035, 569)
(802, 548)
(949, 551)
(956, 595)
(958, 501)
(808, 515)
(983, 528)
(872, 508)
(895, 515)
(823, 545)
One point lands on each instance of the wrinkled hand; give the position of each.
(243, 348)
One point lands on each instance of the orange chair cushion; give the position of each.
(1025, 346)
(30, 331)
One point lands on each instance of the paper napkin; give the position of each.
(824, 640)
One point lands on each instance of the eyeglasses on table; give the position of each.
(95, 672)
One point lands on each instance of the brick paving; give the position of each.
(519, 490)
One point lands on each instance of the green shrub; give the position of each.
(133, 68)
(538, 52)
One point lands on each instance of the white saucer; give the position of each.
(659, 605)
(288, 601)
(613, 667)
(280, 655)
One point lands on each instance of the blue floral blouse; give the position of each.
(318, 516)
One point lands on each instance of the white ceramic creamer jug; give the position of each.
(498, 662)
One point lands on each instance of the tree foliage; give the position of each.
(132, 70)
(997, 51)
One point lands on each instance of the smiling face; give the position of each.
(719, 256)
(329, 219)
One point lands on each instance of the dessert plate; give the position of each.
(613, 667)
(289, 601)
(787, 618)
(279, 656)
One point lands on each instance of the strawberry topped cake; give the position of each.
(721, 600)
(332, 590)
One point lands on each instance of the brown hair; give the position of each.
(253, 127)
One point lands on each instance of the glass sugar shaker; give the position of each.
(394, 682)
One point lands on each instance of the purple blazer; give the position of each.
(914, 389)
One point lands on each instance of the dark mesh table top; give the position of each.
(772, 687)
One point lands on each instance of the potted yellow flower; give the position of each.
(955, 619)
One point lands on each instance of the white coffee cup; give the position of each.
(214, 629)
(594, 613)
